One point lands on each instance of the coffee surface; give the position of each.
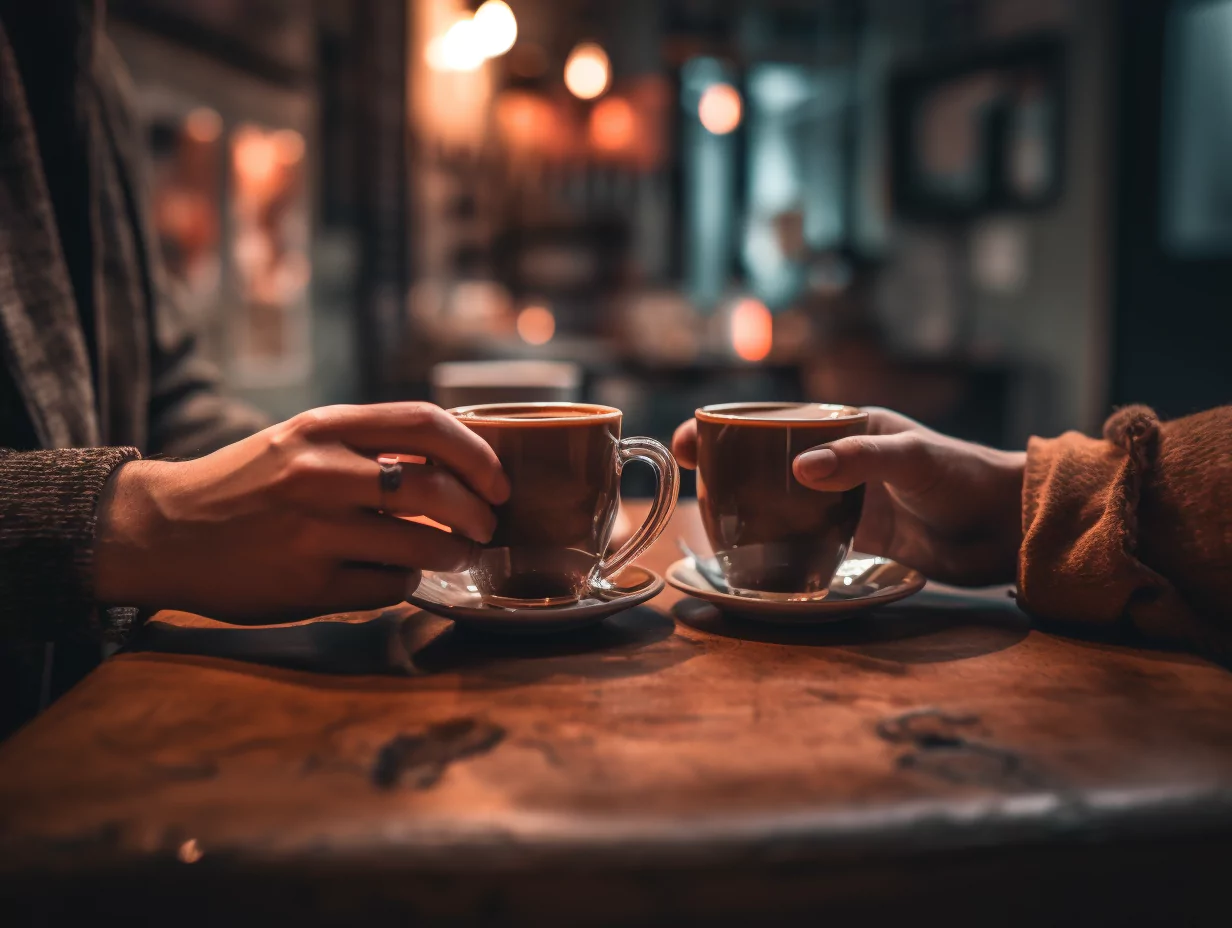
(770, 532)
(565, 414)
(791, 412)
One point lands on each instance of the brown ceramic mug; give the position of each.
(563, 461)
(771, 534)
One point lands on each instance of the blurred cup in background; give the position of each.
(470, 383)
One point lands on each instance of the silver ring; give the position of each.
(391, 479)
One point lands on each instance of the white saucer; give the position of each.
(453, 596)
(862, 582)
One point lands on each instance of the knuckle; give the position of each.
(425, 416)
(860, 448)
(309, 421)
(312, 421)
(438, 484)
(282, 437)
(915, 447)
(304, 468)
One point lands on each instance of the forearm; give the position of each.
(49, 504)
(1135, 528)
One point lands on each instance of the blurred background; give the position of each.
(1002, 217)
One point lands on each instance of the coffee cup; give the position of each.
(772, 535)
(563, 461)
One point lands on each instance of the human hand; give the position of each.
(949, 508)
(285, 524)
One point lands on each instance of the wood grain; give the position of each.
(675, 763)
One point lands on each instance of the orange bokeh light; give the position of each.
(720, 109)
(752, 330)
(255, 156)
(528, 123)
(288, 145)
(613, 125)
(536, 325)
(203, 125)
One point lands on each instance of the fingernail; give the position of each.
(818, 464)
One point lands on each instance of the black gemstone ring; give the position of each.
(391, 480)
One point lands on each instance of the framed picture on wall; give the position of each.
(1196, 195)
(979, 134)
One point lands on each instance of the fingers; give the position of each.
(888, 422)
(329, 477)
(684, 444)
(370, 538)
(414, 429)
(903, 460)
(358, 587)
(880, 422)
(434, 492)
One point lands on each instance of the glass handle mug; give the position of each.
(667, 478)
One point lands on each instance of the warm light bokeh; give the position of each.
(720, 109)
(752, 330)
(459, 49)
(536, 325)
(288, 145)
(256, 158)
(587, 71)
(613, 125)
(496, 28)
(531, 124)
(203, 125)
(190, 851)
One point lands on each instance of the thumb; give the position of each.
(900, 460)
(684, 444)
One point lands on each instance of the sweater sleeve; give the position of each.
(1134, 529)
(48, 512)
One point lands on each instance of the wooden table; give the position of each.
(939, 759)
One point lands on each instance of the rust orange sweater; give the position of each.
(1135, 529)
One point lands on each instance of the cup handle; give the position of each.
(667, 472)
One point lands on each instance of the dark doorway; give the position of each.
(1172, 283)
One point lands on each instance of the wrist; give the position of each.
(126, 540)
(1013, 471)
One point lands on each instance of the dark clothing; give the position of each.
(47, 41)
(98, 364)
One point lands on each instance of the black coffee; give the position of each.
(561, 464)
(563, 415)
(769, 532)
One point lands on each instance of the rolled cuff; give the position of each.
(1078, 561)
(48, 517)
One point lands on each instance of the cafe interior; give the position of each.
(970, 211)
(1002, 218)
